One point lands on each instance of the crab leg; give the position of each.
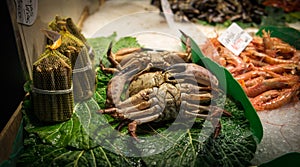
(191, 70)
(133, 125)
(132, 61)
(127, 109)
(190, 88)
(140, 98)
(216, 112)
(187, 57)
(136, 102)
(123, 53)
(197, 97)
(156, 109)
(157, 103)
(115, 88)
(115, 59)
(213, 117)
(196, 109)
(132, 112)
(112, 60)
(193, 110)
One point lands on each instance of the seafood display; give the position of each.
(267, 70)
(159, 87)
(216, 11)
(286, 5)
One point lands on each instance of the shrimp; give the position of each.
(253, 74)
(254, 81)
(284, 97)
(283, 47)
(268, 84)
(267, 41)
(268, 59)
(281, 68)
(236, 61)
(264, 97)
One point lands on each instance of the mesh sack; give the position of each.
(52, 91)
(75, 47)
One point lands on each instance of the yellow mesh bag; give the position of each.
(75, 47)
(52, 90)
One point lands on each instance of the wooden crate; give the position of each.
(9, 133)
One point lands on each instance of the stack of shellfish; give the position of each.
(267, 70)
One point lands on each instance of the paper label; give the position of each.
(26, 11)
(235, 39)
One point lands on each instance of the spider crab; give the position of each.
(150, 86)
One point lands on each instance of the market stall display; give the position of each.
(122, 114)
(90, 137)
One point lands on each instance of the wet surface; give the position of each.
(281, 132)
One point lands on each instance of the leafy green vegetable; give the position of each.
(88, 139)
(125, 42)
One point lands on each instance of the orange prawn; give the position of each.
(268, 84)
(285, 97)
(268, 59)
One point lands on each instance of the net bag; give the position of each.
(75, 47)
(52, 90)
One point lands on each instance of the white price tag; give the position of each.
(26, 11)
(235, 39)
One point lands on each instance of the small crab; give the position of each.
(159, 86)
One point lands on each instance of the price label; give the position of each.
(26, 11)
(235, 39)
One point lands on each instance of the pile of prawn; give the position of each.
(268, 70)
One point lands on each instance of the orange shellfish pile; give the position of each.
(267, 69)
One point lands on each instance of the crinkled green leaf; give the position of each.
(125, 42)
(234, 147)
(71, 133)
(38, 153)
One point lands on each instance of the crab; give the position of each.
(150, 86)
